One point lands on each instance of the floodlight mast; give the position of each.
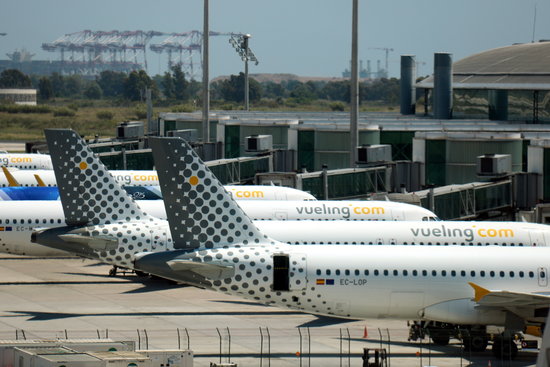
(246, 84)
(240, 43)
(205, 78)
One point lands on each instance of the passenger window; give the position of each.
(328, 271)
(395, 273)
(424, 273)
(415, 273)
(337, 271)
(434, 273)
(521, 274)
(318, 272)
(531, 274)
(405, 273)
(386, 272)
(15, 221)
(512, 274)
(376, 272)
(482, 273)
(453, 273)
(347, 272)
(443, 273)
(357, 272)
(462, 273)
(473, 273)
(502, 274)
(492, 274)
(366, 272)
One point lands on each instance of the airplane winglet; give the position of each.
(39, 181)
(480, 292)
(11, 180)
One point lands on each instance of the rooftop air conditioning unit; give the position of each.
(190, 135)
(258, 143)
(374, 153)
(494, 164)
(130, 130)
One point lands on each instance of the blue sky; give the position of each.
(304, 37)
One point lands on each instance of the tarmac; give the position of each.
(74, 298)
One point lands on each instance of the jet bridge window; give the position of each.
(281, 278)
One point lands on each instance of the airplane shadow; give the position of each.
(44, 316)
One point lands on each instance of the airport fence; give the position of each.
(303, 347)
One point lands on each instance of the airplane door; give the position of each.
(397, 215)
(543, 277)
(537, 238)
(289, 272)
(280, 195)
(280, 215)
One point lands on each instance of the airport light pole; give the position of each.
(240, 43)
(354, 107)
(205, 78)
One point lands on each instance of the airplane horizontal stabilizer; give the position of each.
(98, 243)
(211, 271)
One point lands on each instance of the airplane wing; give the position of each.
(500, 298)
(212, 271)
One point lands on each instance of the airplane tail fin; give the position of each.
(39, 181)
(88, 192)
(11, 180)
(201, 213)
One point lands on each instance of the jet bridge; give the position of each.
(469, 201)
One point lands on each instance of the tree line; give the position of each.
(173, 87)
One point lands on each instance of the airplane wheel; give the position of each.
(112, 272)
(441, 339)
(477, 343)
(505, 349)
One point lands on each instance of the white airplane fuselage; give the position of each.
(26, 161)
(18, 219)
(398, 282)
(150, 178)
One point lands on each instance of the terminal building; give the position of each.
(475, 132)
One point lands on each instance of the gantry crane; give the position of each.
(388, 50)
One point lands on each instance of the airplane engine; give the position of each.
(464, 312)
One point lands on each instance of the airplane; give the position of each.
(149, 180)
(26, 161)
(18, 220)
(218, 247)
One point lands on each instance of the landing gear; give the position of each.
(475, 343)
(475, 338)
(505, 348)
(440, 333)
(112, 272)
